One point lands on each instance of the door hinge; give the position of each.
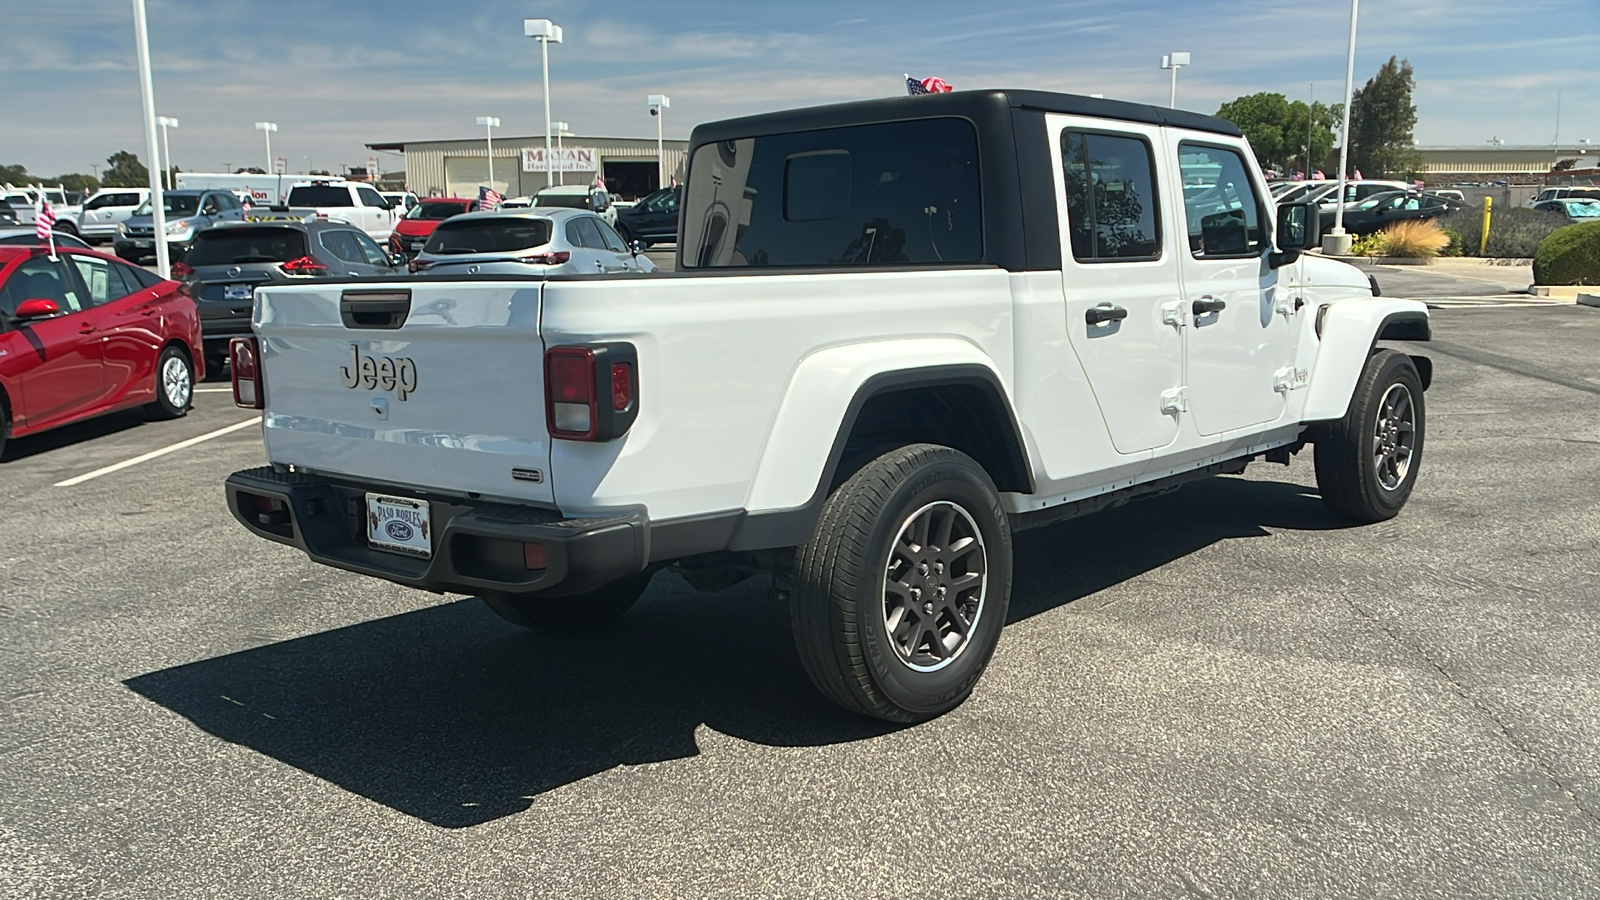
(1175, 400)
(1290, 379)
(1172, 313)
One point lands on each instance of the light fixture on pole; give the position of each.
(489, 123)
(1175, 61)
(266, 129)
(545, 32)
(659, 102)
(560, 129)
(147, 91)
(166, 149)
(1337, 243)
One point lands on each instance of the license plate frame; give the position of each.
(399, 525)
(143, 244)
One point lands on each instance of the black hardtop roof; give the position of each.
(974, 104)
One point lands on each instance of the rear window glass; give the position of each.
(493, 235)
(226, 246)
(320, 195)
(435, 210)
(896, 192)
(567, 201)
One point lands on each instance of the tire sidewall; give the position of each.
(958, 480)
(162, 404)
(1396, 369)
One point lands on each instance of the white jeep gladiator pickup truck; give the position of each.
(899, 331)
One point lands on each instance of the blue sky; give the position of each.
(336, 76)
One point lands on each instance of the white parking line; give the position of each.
(145, 457)
(226, 390)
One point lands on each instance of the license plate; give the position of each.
(141, 243)
(399, 525)
(236, 292)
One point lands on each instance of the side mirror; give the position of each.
(636, 246)
(397, 259)
(37, 308)
(1299, 229)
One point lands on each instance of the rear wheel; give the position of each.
(1367, 462)
(174, 385)
(575, 613)
(900, 596)
(66, 227)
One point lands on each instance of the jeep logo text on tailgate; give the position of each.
(385, 373)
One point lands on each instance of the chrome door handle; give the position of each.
(1207, 305)
(1105, 312)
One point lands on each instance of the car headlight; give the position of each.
(178, 227)
(122, 228)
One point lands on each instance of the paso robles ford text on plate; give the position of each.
(399, 524)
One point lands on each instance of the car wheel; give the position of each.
(577, 612)
(174, 385)
(66, 227)
(899, 597)
(1367, 462)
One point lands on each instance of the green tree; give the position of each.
(17, 174)
(1382, 118)
(1279, 129)
(250, 170)
(77, 181)
(125, 170)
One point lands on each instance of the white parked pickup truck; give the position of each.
(899, 331)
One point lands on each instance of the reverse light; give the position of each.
(591, 391)
(244, 363)
(554, 258)
(305, 265)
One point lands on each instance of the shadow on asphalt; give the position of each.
(449, 715)
(67, 435)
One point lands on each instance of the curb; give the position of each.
(1589, 300)
(1558, 291)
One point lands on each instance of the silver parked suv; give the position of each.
(533, 241)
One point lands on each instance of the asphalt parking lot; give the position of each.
(1220, 692)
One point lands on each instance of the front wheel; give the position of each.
(1367, 462)
(900, 595)
(575, 613)
(174, 385)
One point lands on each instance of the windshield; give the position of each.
(568, 201)
(173, 205)
(491, 235)
(320, 195)
(434, 210)
(1583, 209)
(224, 246)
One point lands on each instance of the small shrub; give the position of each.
(1569, 256)
(1414, 239)
(1456, 247)
(1514, 232)
(1367, 244)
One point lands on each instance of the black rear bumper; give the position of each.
(478, 547)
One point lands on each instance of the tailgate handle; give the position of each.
(375, 309)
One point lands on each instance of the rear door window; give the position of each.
(1111, 196)
(369, 250)
(590, 235)
(229, 246)
(880, 194)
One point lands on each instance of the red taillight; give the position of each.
(179, 270)
(591, 392)
(417, 265)
(621, 386)
(244, 362)
(305, 265)
(555, 258)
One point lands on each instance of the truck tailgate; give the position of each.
(411, 384)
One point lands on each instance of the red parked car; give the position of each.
(411, 232)
(86, 334)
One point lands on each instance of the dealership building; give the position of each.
(456, 168)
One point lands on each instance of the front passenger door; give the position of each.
(61, 372)
(1239, 336)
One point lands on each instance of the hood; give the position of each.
(1321, 271)
(416, 227)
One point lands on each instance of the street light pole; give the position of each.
(489, 123)
(545, 32)
(166, 149)
(147, 90)
(266, 129)
(658, 104)
(1337, 243)
(1175, 61)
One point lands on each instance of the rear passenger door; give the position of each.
(1239, 334)
(588, 251)
(1119, 276)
